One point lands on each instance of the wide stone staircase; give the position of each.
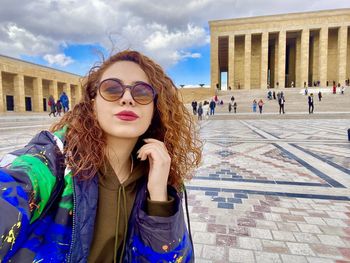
(296, 102)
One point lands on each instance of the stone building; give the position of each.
(26, 86)
(281, 50)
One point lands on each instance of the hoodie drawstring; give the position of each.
(121, 191)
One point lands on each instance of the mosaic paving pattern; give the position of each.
(266, 191)
(271, 191)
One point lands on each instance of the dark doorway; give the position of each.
(44, 104)
(9, 103)
(223, 61)
(28, 104)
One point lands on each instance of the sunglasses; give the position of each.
(113, 89)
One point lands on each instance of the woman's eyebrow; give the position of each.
(140, 81)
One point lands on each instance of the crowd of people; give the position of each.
(56, 107)
(208, 108)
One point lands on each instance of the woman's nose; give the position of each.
(127, 99)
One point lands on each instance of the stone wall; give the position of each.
(239, 62)
(332, 56)
(255, 62)
(22, 80)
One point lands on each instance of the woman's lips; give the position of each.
(127, 116)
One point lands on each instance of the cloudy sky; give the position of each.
(70, 34)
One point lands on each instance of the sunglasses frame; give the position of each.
(124, 87)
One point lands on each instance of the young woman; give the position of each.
(260, 104)
(105, 184)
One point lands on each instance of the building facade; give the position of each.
(26, 86)
(278, 51)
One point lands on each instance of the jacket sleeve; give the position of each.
(160, 239)
(27, 182)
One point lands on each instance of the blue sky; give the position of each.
(190, 71)
(65, 34)
(193, 71)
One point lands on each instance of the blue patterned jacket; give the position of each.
(46, 215)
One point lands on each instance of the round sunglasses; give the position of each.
(113, 89)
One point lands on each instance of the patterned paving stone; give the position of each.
(266, 190)
(241, 255)
(267, 257)
(271, 191)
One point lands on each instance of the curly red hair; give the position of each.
(172, 123)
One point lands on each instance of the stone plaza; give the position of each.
(272, 191)
(267, 190)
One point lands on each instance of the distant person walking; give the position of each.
(281, 102)
(235, 107)
(319, 96)
(230, 107)
(52, 106)
(260, 104)
(59, 107)
(311, 103)
(212, 106)
(200, 111)
(65, 101)
(254, 105)
(206, 109)
(232, 98)
(334, 89)
(194, 107)
(342, 90)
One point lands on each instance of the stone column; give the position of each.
(282, 58)
(342, 53)
(231, 61)
(79, 92)
(38, 95)
(264, 59)
(247, 60)
(19, 99)
(323, 56)
(304, 59)
(2, 102)
(53, 89)
(214, 61)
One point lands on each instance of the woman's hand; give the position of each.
(159, 162)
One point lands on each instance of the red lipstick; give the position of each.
(127, 115)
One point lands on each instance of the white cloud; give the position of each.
(164, 30)
(58, 59)
(16, 40)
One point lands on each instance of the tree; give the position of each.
(182, 85)
(201, 85)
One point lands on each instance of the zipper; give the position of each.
(69, 256)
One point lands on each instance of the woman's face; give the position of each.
(124, 118)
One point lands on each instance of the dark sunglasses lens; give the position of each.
(111, 90)
(143, 93)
